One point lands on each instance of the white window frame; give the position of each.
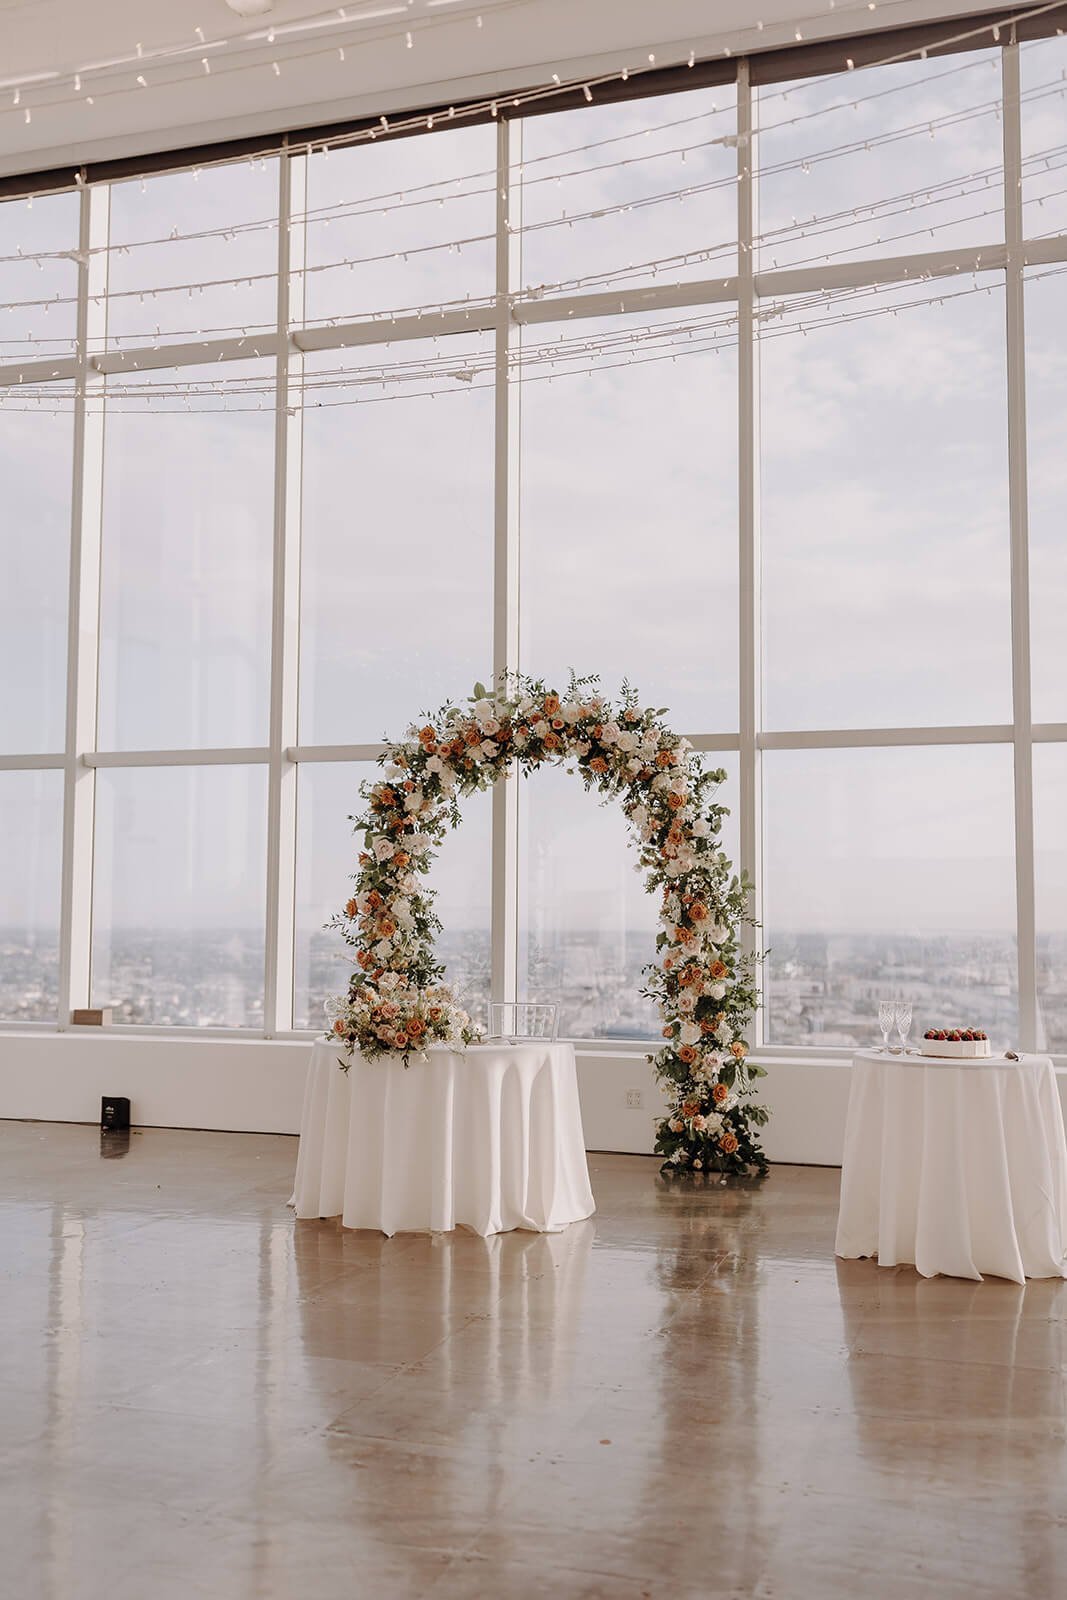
(504, 319)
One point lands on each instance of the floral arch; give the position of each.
(704, 986)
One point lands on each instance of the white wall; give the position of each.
(257, 1086)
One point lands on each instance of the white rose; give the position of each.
(488, 749)
(519, 741)
(686, 1004)
(609, 733)
(713, 1123)
(639, 816)
(627, 742)
(570, 711)
(413, 801)
(383, 849)
(715, 933)
(690, 1033)
(679, 785)
(482, 709)
(435, 764)
(716, 991)
(701, 828)
(661, 782)
(581, 748)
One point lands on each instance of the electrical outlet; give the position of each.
(633, 1100)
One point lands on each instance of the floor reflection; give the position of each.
(683, 1396)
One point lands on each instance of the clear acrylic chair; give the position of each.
(516, 1020)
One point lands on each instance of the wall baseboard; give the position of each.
(257, 1086)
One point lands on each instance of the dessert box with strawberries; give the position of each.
(966, 1044)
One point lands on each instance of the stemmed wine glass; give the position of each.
(902, 1012)
(886, 1018)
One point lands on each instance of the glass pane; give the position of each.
(629, 517)
(38, 283)
(396, 226)
(587, 926)
(396, 589)
(1046, 422)
(1050, 871)
(194, 254)
(179, 894)
(36, 467)
(188, 544)
(1043, 84)
(889, 873)
(884, 515)
(625, 193)
(31, 846)
(884, 162)
(326, 859)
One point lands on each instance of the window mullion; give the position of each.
(83, 609)
(1020, 572)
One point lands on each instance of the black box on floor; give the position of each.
(114, 1112)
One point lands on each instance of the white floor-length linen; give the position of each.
(957, 1168)
(488, 1138)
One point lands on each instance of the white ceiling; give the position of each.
(518, 43)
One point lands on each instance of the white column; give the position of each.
(1020, 567)
(504, 912)
(285, 624)
(79, 780)
(748, 525)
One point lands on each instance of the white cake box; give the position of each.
(955, 1049)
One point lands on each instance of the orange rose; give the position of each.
(558, 723)
(737, 1049)
(365, 959)
(400, 1039)
(551, 704)
(374, 899)
(427, 736)
(719, 1093)
(665, 758)
(676, 801)
(401, 858)
(690, 1108)
(728, 1143)
(435, 1013)
(338, 1026)
(386, 927)
(474, 736)
(698, 911)
(350, 908)
(598, 764)
(718, 969)
(687, 1054)
(708, 1025)
(551, 741)
(408, 786)
(416, 1028)
(668, 1031)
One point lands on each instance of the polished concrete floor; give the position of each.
(686, 1396)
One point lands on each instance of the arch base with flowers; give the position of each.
(703, 984)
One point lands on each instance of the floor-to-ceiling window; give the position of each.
(750, 394)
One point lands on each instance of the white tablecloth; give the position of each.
(488, 1138)
(955, 1168)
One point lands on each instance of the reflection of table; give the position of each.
(957, 1168)
(488, 1138)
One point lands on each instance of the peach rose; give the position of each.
(719, 1093)
(698, 911)
(728, 1143)
(374, 899)
(558, 723)
(668, 1031)
(400, 1039)
(350, 908)
(474, 736)
(386, 927)
(551, 704)
(338, 1026)
(416, 1028)
(676, 801)
(435, 1013)
(598, 764)
(401, 858)
(718, 969)
(427, 736)
(687, 1054)
(737, 1049)
(665, 758)
(551, 741)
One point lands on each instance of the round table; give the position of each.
(488, 1138)
(955, 1167)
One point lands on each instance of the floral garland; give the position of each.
(705, 987)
